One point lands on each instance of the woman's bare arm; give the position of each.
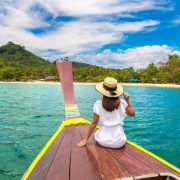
(129, 109)
(95, 120)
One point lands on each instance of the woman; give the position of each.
(110, 113)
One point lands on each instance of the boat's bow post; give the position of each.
(66, 78)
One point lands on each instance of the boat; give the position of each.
(62, 159)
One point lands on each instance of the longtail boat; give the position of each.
(61, 159)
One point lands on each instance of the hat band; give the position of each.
(110, 89)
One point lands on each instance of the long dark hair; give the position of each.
(110, 103)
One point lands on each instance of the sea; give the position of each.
(31, 113)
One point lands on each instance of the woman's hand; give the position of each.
(94, 122)
(82, 143)
(126, 96)
(129, 109)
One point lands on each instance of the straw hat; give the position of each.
(109, 87)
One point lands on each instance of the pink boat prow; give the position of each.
(61, 159)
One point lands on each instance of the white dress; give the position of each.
(111, 133)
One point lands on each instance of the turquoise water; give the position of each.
(31, 113)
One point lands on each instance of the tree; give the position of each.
(150, 74)
(7, 73)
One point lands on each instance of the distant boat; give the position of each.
(49, 78)
(61, 159)
(132, 80)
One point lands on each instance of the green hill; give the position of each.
(18, 64)
(13, 54)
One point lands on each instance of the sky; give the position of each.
(109, 33)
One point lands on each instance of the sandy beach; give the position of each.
(93, 83)
(152, 85)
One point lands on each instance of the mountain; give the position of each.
(13, 54)
(19, 64)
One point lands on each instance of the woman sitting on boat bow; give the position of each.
(109, 113)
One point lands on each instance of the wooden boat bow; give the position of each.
(61, 159)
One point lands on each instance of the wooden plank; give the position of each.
(83, 129)
(148, 160)
(44, 163)
(82, 167)
(134, 166)
(61, 163)
(107, 166)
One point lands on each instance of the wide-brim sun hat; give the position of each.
(110, 87)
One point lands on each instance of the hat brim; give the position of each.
(100, 88)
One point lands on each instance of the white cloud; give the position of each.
(79, 36)
(82, 34)
(74, 37)
(19, 15)
(93, 27)
(94, 7)
(176, 21)
(138, 57)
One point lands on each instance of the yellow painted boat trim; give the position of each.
(74, 121)
(154, 156)
(77, 121)
(42, 152)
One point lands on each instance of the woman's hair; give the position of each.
(110, 103)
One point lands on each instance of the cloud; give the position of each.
(94, 7)
(19, 15)
(82, 36)
(92, 24)
(139, 57)
(74, 37)
(89, 32)
(176, 21)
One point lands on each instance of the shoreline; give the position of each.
(94, 83)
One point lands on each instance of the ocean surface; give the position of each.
(31, 113)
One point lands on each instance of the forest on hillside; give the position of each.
(18, 64)
(168, 72)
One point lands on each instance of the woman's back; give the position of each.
(111, 133)
(107, 118)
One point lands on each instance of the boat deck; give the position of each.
(64, 160)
